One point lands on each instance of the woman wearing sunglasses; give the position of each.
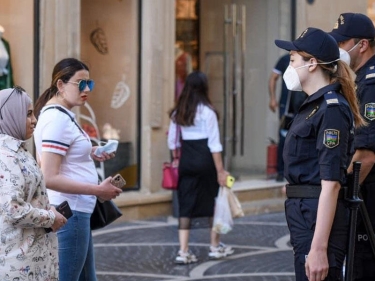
(25, 209)
(66, 157)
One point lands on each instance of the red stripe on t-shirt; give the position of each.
(54, 146)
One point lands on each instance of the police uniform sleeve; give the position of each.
(364, 136)
(333, 142)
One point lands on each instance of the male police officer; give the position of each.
(355, 34)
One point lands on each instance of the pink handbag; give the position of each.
(170, 176)
(170, 173)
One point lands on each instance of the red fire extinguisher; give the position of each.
(271, 159)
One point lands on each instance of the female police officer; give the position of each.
(317, 152)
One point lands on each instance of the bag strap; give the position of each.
(66, 112)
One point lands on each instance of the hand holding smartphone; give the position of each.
(230, 181)
(63, 209)
(118, 181)
(109, 147)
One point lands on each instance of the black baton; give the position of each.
(354, 203)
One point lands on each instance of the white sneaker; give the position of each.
(220, 251)
(185, 258)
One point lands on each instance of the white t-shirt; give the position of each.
(205, 127)
(57, 133)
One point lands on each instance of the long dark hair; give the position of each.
(340, 72)
(64, 70)
(194, 93)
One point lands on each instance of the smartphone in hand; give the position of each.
(109, 147)
(230, 181)
(63, 209)
(118, 181)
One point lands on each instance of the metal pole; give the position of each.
(354, 203)
(293, 16)
(225, 96)
(243, 55)
(234, 84)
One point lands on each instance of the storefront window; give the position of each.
(187, 38)
(109, 46)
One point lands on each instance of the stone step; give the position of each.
(256, 196)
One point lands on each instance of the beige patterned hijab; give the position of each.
(14, 104)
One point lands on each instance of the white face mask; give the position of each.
(291, 78)
(344, 56)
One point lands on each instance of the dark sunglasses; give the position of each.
(82, 84)
(16, 89)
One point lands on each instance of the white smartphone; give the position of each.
(109, 147)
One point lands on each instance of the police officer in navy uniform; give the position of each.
(355, 36)
(317, 152)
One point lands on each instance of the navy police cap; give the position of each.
(315, 42)
(353, 25)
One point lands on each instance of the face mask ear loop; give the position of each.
(354, 47)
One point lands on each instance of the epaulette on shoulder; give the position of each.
(331, 98)
(370, 75)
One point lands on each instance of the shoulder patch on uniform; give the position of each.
(331, 98)
(330, 101)
(370, 111)
(331, 138)
(370, 75)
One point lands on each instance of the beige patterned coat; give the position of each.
(27, 252)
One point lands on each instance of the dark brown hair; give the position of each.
(341, 75)
(195, 92)
(64, 70)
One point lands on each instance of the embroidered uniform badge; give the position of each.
(370, 111)
(331, 138)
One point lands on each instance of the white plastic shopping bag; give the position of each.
(223, 221)
(235, 205)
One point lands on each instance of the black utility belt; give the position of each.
(307, 191)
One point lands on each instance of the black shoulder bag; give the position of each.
(104, 212)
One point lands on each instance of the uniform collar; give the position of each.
(331, 87)
(362, 71)
(10, 142)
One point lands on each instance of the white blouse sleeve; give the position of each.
(213, 132)
(172, 142)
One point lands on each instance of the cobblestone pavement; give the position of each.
(145, 251)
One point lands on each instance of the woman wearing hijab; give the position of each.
(25, 211)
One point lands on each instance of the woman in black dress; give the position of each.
(201, 170)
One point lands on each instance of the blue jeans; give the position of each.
(76, 251)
